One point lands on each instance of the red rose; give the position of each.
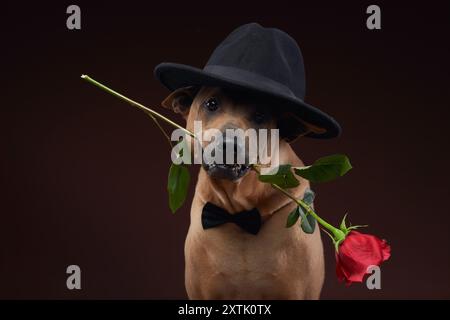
(356, 253)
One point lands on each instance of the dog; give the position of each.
(254, 79)
(226, 262)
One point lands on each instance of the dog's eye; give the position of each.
(212, 104)
(259, 117)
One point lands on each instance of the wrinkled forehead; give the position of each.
(206, 92)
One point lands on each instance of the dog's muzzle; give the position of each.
(228, 171)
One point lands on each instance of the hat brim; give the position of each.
(174, 76)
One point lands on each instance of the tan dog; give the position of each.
(226, 262)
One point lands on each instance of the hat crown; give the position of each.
(260, 61)
(267, 52)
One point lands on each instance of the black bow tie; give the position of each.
(250, 221)
(213, 216)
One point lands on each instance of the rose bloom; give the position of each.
(356, 253)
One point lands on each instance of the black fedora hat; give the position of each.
(265, 61)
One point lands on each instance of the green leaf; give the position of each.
(308, 223)
(177, 185)
(292, 218)
(308, 197)
(325, 169)
(283, 177)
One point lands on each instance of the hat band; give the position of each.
(250, 79)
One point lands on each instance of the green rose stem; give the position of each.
(336, 234)
(149, 111)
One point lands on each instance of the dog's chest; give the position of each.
(225, 260)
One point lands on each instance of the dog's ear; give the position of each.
(180, 100)
(292, 127)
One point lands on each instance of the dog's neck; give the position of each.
(248, 192)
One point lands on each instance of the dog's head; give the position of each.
(224, 110)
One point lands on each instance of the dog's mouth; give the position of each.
(226, 171)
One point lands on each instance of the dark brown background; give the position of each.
(83, 175)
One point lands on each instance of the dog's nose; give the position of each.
(233, 151)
